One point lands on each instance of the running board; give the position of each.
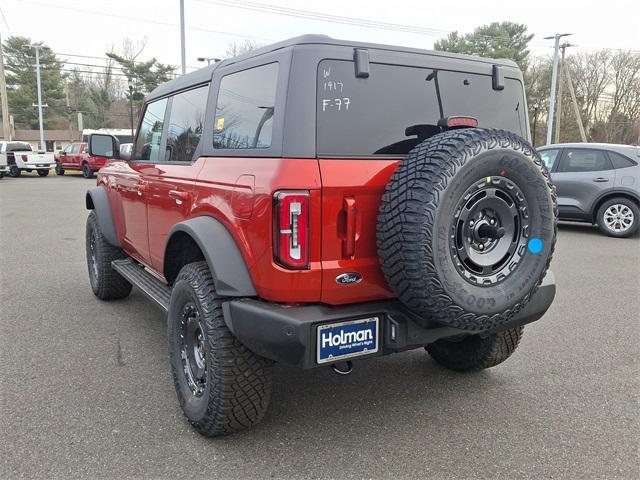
(149, 284)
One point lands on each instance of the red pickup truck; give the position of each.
(76, 157)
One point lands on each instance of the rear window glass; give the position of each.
(620, 161)
(18, 147)
(396, 106)
(245, 108)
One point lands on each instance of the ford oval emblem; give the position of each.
(349, 277)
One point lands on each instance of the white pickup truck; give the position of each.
(18, 156)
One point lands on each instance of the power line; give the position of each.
(138, 19)
(311, 15)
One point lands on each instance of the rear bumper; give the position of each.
(36, 166)
(287, 334)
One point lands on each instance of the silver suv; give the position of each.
(597, 183)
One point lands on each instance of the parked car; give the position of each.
(317, 201)
(76, 157)
(598, 183)
(19, 157)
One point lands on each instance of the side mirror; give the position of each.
(125, 151)
(103, 145)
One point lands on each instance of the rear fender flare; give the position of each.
(97, 200)
(230, 274)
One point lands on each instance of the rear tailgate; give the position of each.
(351, 192)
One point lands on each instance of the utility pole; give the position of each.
(554, 80)
(576, 109)
(563, 47)
(43, 146)
(182, 46)
(6, 128)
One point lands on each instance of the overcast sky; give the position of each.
(89, 27)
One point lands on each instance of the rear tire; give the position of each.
(43, 173)
(222, 386)
(59, 169)
(473, 353)
(14, 171)
(618, 217)
(86, 171)
(106, 283)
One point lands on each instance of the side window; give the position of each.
(549, 157)
(245, 108)
(584, 160)
(186, 120)
(148, 140)
(75, 148)
(620, 161)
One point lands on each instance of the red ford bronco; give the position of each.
(317, 201)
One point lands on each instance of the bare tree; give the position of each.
(234, 49)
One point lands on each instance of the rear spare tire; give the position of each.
(467, 227)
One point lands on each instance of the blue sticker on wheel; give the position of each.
(535, 245)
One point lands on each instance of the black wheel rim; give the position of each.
(93, 264)
(85, 171)
(192, 349)
(489, 231)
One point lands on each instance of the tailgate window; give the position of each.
(370, 116)
(364, 116)
(473, 95)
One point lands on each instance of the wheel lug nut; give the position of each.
(492, 221)
(481, 246)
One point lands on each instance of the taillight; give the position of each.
(25, 158)
(291, 229)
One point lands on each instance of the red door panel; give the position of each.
(169, 201)
(131, 208)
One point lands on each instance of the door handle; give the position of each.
(179, 195)
(349, 243)
(600, 179)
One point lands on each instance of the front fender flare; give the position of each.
(230, 274)
(97, 200)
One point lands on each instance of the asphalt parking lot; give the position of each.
(85, 387)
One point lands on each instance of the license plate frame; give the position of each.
(328, 353)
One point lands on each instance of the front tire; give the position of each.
(14, 171)
(86, 171)
(618, 217)
(474, 352)
(43, 173)
(59, 169)
(106, 283)
(222, 386)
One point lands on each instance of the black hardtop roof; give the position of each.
(203, 75)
